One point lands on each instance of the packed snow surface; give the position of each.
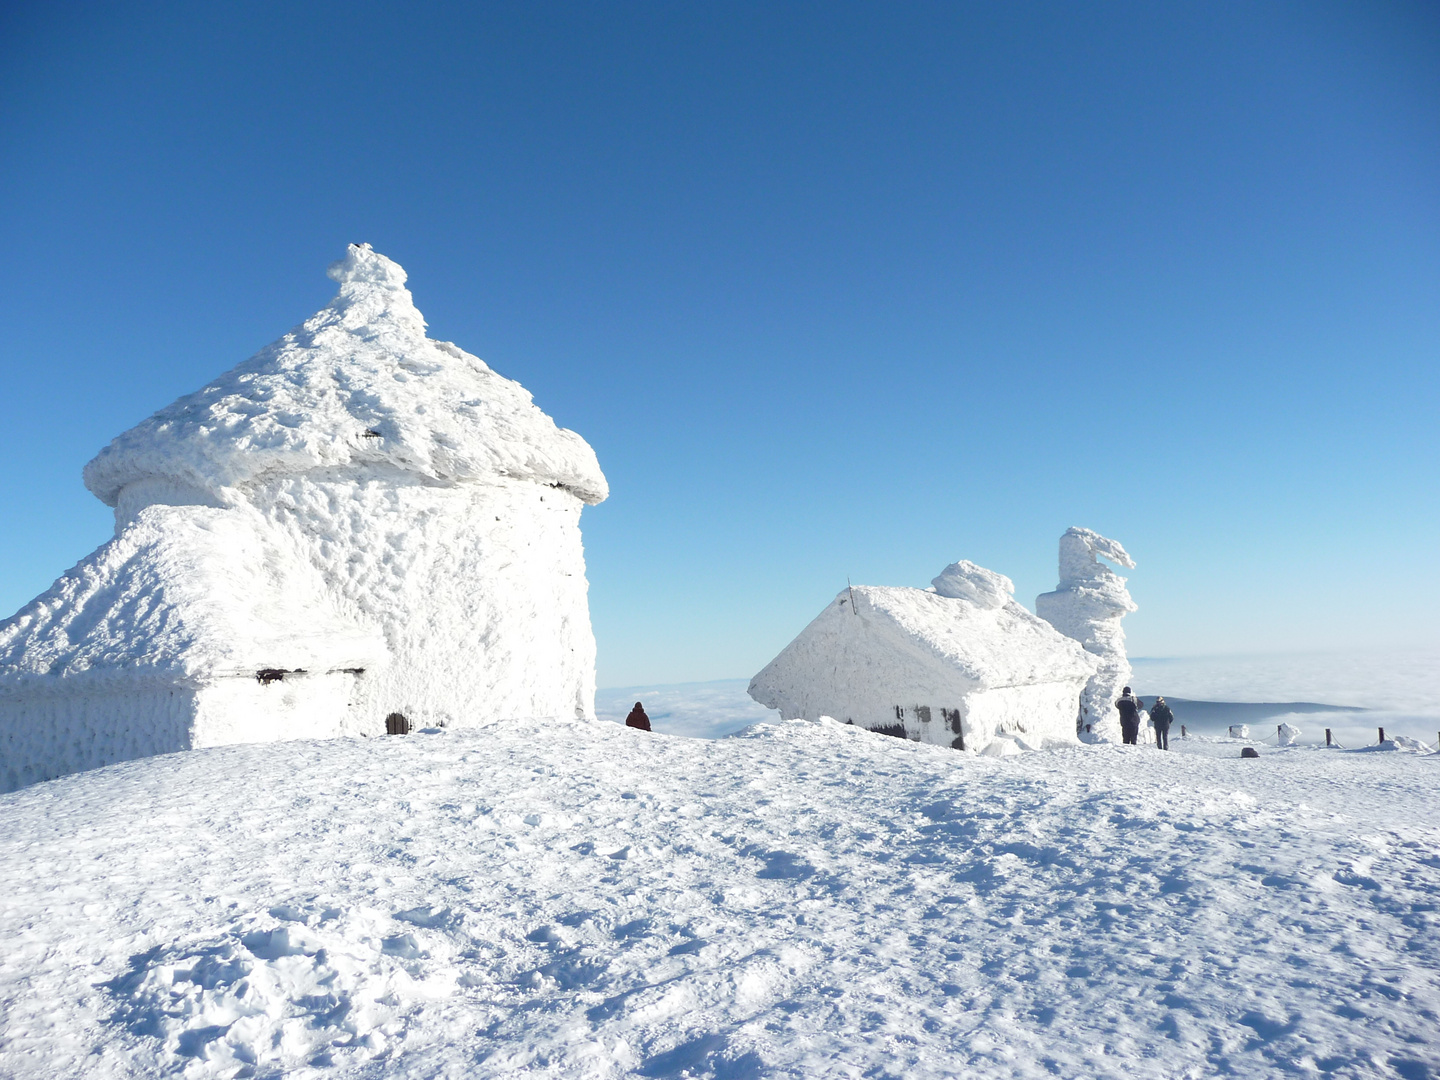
(805, 900)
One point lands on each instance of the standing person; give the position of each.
(1162, 718)
(1129, 718)
(637, 718)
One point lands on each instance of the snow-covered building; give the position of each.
(959, 664)
(359, 526)
(1088, 605)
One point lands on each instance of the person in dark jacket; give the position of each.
(637, 718)
(1129, 718)
(1162, 718)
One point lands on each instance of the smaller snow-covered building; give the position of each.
(959, 664)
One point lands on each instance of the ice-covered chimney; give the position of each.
(964, 580)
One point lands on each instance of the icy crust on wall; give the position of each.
(189, 594)
(1087, 606)
(936, 668)
(357, 384)
(50, 734)
(479, 591)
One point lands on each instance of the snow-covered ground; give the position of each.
(805, 900)
(1399, 691)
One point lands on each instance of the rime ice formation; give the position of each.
(964, 580)
(357, 521)
(1088, 605)
(960, 665)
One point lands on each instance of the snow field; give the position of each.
(579, 899)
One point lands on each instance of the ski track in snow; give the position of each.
(805, 900)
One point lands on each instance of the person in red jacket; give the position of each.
(637, 718)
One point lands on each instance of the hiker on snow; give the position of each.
(637, 718)
(1162, 718)
(1129, 718)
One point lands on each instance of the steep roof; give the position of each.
(357, 384)
(992, 646)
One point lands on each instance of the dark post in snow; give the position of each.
(1327, 736)
(1278, 737)
(1182, 731)
(1382, 734)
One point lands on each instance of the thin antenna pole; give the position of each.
(852, 595)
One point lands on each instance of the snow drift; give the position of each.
(357, 521)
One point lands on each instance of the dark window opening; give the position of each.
(265, 676)
(923, 712)
(899, 712)
(397, 724)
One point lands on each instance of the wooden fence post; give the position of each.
(1382, 734)
(1327, 736)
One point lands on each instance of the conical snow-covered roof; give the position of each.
(357, 384)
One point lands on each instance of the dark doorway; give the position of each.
(397, 724)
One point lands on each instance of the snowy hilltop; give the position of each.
(359, 527)
(1088, 605)
(570, 899)
(960, 664)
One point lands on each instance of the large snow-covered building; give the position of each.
(1087, 606)
(959, 664)
(358, 525)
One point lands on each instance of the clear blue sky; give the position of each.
(832, 289)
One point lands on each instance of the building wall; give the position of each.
(50, 732)
(479, 590)
(244, 708)
(1039, 713)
